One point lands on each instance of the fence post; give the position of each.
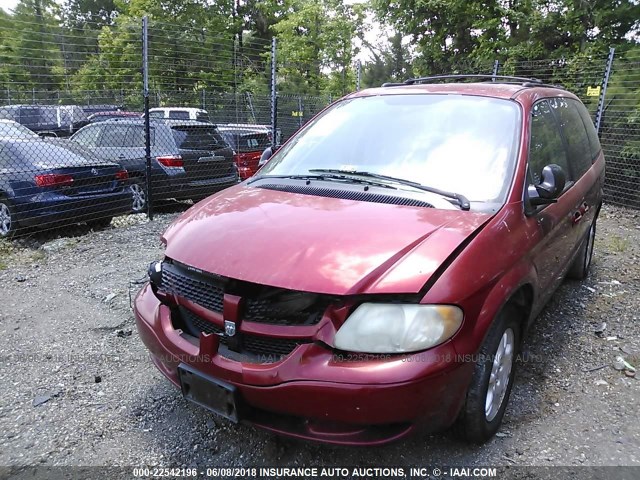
(274, 95)
(147, 129)
(358, 74)
(603, 90)
(300, 110)
(204, 98)
(496, 67)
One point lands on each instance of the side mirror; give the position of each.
(266, 155)
(550, 187)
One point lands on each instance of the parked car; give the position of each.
(11, 129)
(190, 159)
(104, 107)
(248, 143)
(408, 236)
(180, 113)
(47, 120)
(45, 185)
(112, 115)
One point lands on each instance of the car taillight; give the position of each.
(53, 179)
(171, 161)
(122, 175)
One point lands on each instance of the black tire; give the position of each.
(477, 423)
(8, 223)
(100, 223)
(580, 267)
(138, 195)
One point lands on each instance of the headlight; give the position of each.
(391, 328)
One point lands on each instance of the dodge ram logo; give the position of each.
(229, 328)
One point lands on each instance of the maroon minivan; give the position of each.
(378, 273)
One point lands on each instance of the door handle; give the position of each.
(577, 216)
(580, 213)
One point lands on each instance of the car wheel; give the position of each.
(100, 223)
(580, 267)
(488, 393)
(139, 196)
(8, 224)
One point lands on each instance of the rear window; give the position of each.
(248, 142)
(198, 138)
(15, 130)
(156, 114)
(178, 115)
(40, 153)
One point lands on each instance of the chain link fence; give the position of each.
(620, 131)
(94, 125)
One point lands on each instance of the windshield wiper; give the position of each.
(327, 176)
(462, 200)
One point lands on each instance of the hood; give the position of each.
(317, 244)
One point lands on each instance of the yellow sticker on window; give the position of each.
(593, 91)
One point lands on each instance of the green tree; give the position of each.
(315, 46)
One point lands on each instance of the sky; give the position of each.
(8, 4)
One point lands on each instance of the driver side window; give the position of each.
(545, 146)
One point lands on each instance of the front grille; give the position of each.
(262, 304)
(266, 310)
(195, 288)
(253, 347)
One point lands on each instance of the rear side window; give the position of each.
(113, 136)
(178, 115)
(156, 114)
(5, 158)
(135, 137)
(87, 137)
(198, 138)
(29, 116)
(592, 134)
(545, 146)
(578, 147)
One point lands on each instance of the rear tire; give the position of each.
(8, 223)
(488, 394)
(580, 267)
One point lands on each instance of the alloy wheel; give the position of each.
(139, 198)
(500, 374)
(5, 220)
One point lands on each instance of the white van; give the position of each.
(180, 113)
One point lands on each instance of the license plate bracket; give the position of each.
(215, 395)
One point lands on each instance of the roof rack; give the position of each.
(524, 81)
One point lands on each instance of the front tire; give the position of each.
(488, 393)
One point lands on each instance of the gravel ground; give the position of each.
(78, 387)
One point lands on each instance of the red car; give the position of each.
(378, 274)
(248, 142)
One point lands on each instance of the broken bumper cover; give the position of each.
(317, 394)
